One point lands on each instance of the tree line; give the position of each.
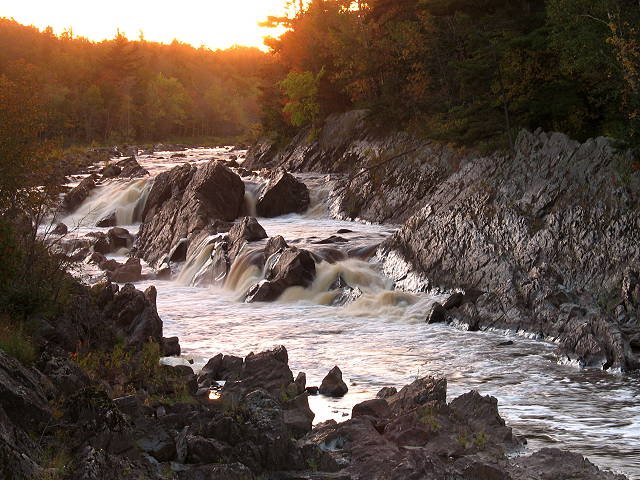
(470, 72)
(123, 90)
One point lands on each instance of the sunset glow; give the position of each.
(212, 23)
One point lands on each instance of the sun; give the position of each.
(213, 23)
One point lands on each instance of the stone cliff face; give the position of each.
(541, 240)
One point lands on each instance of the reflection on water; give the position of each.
(381, 340)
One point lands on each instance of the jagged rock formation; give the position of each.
(542, 237)
(185, 201)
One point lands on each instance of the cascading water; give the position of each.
(380, 339)
(124, 200)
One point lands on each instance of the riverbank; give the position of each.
(210, 320)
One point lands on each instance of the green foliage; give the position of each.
(16, 342)
(123, 90)
(468, 72)
(301, 90)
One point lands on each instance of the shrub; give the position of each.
(16, 343)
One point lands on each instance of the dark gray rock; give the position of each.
(332, 385)
(292, 267)
(282, 194)
(171, 347)
(185, 201)
(78, 194)
(130, 168)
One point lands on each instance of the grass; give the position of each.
(17, 343)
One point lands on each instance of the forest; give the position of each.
(467, 72)
(121, 90)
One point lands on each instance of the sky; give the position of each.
(212, 23)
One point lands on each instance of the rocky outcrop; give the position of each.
(292, 267)
(421, 436)
(282, 194)
(185, 201)
(388, 176)
(73, 199)
(545, 233)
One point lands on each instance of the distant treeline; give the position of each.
(120, 90)
(472, 72)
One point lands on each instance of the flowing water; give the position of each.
(380, 339)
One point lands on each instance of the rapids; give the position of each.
(380, 339)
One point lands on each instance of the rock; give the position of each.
(67, 376)
(120, 237)
(206, 450)
(268, 370)
(134, 314)
(158, 443)
(377, 408)
(171, 347)
(420, 392)
(331, 240)
(130, 168)
(78, 194)
(234, 471)
(438, 314)
(282, 194)
(23, 395)
(107, 221)
(275, 245)
(111, 171)
(246, 231)
(386, 392)
(131, 271)
(184, 202)
(454, 301)
(345, 294)
(553, 463)
(220, 367)
(298, 417)
(60, 229)
(312, 390)
(333, 385)
(293, 267)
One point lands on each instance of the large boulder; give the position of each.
(282, 194)
(185, 201)
(292, 267)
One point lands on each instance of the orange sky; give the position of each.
(213, 23)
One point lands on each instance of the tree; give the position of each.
(301, 92)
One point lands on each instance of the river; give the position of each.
(381, 339)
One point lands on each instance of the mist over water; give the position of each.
(381, 339)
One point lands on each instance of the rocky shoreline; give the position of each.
(98, 403)
(544, 240)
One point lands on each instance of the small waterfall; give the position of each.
(251, 191)
(125, 201)
(245, 271)
(197, 263)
